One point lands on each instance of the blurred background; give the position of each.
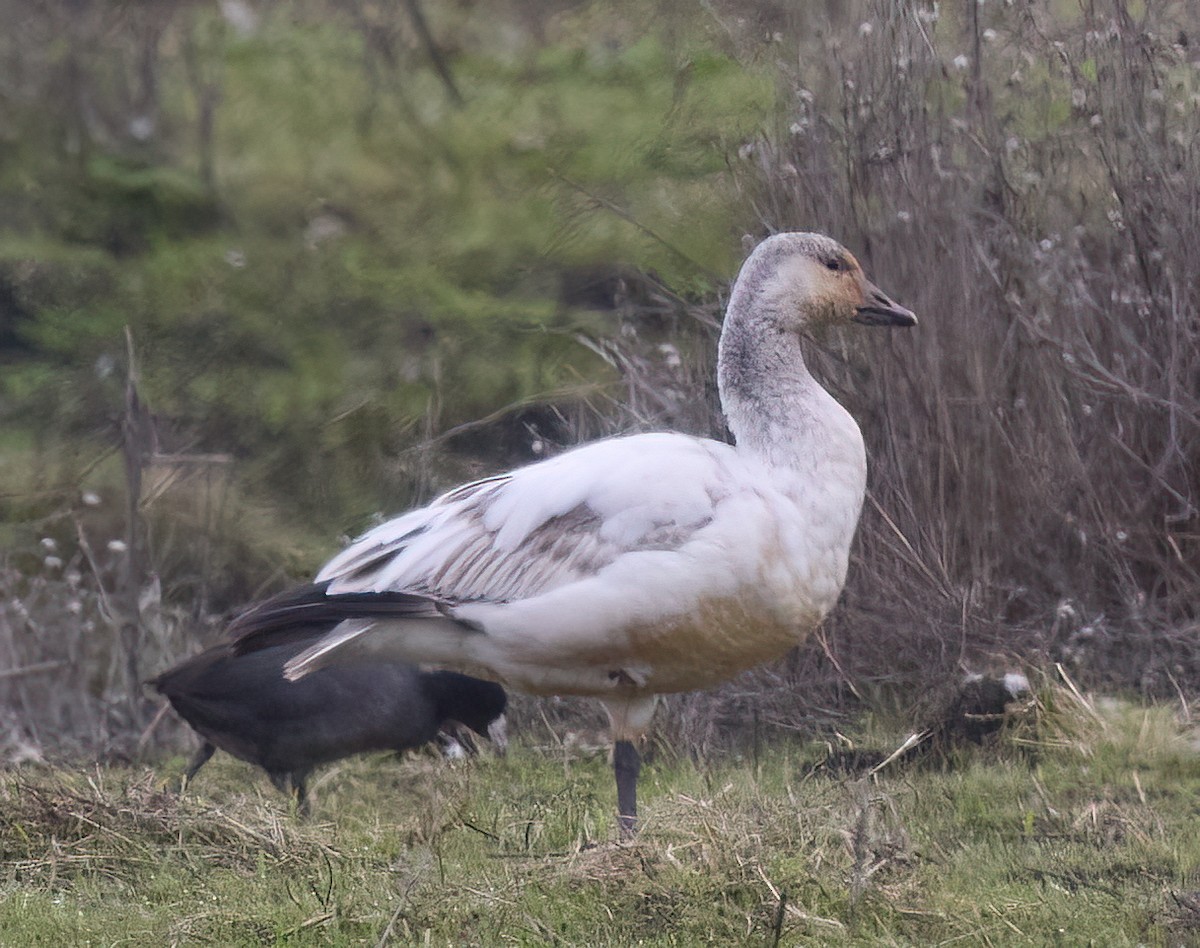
(270, 271)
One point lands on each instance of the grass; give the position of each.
(1081, 832)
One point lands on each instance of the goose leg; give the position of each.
(626, 765)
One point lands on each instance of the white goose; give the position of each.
(638, 565)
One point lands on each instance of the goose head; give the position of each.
(793, 285)
(800, 282)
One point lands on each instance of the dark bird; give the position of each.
(639, 565)
(981, 707)
(243, 705)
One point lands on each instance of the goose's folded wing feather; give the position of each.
(517, 535)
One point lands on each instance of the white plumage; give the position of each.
(637, 565)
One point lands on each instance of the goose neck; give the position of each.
(774, 406)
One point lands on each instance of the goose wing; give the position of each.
(645, 563)
(509, 537)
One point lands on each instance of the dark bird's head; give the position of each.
(472, 702)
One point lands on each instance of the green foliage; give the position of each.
(365, 250)
(121, 205)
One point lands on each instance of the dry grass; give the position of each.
(1034, 443)
(1026, 180)
(97, 825)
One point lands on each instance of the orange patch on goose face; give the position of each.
(833, 295)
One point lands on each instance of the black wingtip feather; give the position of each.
(297, 614)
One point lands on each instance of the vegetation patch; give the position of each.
(990, 847)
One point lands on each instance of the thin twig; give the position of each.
(909, 743)
(34, 669)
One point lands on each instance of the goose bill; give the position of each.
(879, 310)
